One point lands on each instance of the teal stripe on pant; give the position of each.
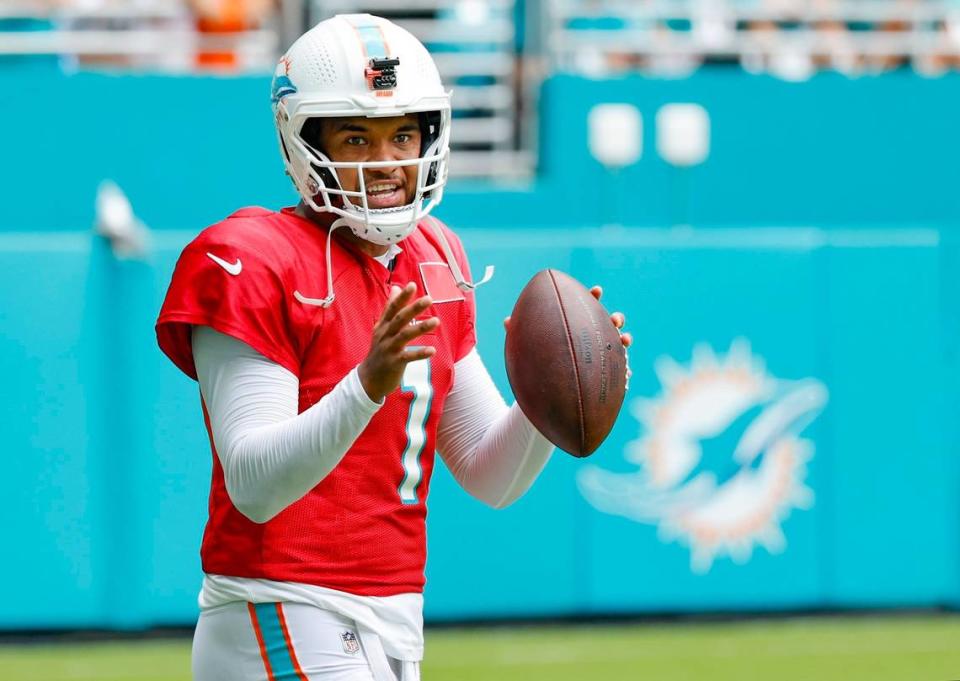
(273, 640)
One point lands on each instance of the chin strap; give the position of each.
(462, 283)
(328, 300)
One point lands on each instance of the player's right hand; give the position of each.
(381, 371)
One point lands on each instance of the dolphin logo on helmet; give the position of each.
(282, 85)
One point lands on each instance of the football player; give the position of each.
(334, 345)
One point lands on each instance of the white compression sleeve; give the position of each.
(493, 451)
(271, 456)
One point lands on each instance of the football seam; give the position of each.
(573, 357)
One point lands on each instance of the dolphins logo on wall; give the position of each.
(722, 461)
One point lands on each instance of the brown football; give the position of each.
(565, 362)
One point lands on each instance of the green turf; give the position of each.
(822, 649)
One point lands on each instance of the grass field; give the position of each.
(818, 649)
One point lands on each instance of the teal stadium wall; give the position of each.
(824, 233)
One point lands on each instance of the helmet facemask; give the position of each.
(323, 190)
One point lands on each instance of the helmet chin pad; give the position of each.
(374, 224)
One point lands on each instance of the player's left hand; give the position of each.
(618, 318)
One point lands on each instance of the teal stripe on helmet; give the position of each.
(371, 36)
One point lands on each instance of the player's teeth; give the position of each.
(376, 188)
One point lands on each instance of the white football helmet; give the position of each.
(361, 65)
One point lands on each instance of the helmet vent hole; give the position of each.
(321, 65)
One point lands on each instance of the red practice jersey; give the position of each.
(257, 276)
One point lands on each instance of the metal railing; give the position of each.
(158, 36)
(663, 35)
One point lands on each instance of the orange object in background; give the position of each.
(225, 17)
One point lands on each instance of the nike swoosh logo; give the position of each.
(233, 268)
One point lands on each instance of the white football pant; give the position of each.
(289, 642)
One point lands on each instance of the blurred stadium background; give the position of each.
(769, 189)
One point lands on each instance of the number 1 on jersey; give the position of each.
(416, 379)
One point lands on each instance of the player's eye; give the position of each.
(355, 141)
(403, 138)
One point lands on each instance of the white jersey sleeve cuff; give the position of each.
(355, 389)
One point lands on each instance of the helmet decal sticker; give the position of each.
(282, 85)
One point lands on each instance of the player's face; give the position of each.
(356, 138)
